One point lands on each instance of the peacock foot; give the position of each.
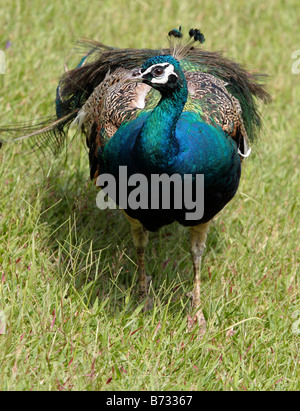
(199, 320)
(148, 304)
(144, 295)
(147, 300)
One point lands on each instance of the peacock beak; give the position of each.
(135, 75)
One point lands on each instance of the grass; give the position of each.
(68, 272)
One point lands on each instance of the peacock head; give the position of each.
(162, 73)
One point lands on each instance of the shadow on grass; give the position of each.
(92, 249)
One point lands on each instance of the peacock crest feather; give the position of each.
(178, 47)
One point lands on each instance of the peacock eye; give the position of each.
(158, 71)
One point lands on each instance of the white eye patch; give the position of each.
(163, 79)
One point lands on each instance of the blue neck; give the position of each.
(157, 144)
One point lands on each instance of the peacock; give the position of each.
(179, 111)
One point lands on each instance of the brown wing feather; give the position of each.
(110, 104)
(217, 105)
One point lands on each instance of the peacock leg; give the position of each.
(140, 240)
(198, 235)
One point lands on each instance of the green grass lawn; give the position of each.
(68, 271)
